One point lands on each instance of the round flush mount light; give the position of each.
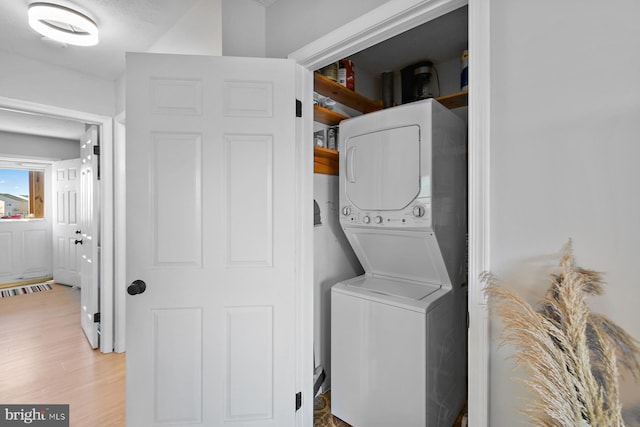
(63, 24)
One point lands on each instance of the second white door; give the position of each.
(66, 232)
(89, 236)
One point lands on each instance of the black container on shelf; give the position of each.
(417, 81)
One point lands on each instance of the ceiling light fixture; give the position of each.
(63, 24)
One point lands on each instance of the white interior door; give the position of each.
(66, 215)
(211, 228)
(89, 234)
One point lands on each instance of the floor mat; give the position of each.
(22, 290)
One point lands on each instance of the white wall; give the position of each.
(292, 24)
(333, 261)
(22, 146)
(564, 159)
(243, 28)
(198, 32)
(31, 80)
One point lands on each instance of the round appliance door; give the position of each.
(383, 168)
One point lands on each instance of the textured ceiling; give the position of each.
(125, 26)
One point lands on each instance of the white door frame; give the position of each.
(120, 232)
(106, 221)
(382, 23)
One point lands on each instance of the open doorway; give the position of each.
(31, 144)
(381, 24)
(50, 183)
(38, 123)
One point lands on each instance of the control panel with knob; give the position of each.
(418, 211)
(416, 215)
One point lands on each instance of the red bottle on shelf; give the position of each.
(346, 76)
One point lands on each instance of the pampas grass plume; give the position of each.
(572, 356)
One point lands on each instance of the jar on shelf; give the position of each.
(330, 71)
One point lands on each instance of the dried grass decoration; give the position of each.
(571, 354)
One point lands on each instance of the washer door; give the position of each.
(408, 255)
(383, 168)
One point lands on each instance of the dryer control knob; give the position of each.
(366, 220)
(346, 211)
(418, 211)
(378, 219)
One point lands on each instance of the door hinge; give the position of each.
(96, 317)
(96, 152)
(468, 320)
(298, 400)
(298, 108)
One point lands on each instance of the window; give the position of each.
(21, 193)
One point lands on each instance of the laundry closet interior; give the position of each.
(440, 45)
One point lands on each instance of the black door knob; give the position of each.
(78, 241)
(136, 287)
(78, 232)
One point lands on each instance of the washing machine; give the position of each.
(398, 332)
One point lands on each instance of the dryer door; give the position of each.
(383, 168)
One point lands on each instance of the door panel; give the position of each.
(66, 253)
(249, 383)
(177, 351)
(176, 168)
(248, 191)
(211, 231)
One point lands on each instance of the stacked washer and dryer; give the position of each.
(398, 332)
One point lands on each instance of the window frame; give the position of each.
(37, 189)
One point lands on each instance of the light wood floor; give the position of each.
(46, 359)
